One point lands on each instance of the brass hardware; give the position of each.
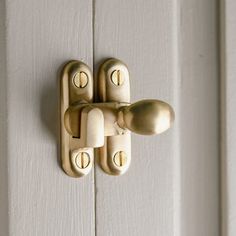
(80, 79)
(70, 94)
(82, 160)
(120, 158)
(117, 77)
(105, 125)
(146, 117)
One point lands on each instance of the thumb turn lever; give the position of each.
(105, 125)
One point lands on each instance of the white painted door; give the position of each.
(172, 51)
(228, 117)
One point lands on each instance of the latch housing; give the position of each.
(106, 123)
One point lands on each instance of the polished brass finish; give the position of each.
(114, 87)
(82, 160)
(80, 79)
(70, 94)
(146, 117)
(104, 121)
(106, 90)
(120, 158)
(105, 125)
(117, 77)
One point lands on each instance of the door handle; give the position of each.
(105, 125)
(146, 117)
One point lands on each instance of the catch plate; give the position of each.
(114, 86)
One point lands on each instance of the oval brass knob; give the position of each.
(147, 117)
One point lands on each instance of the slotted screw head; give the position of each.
(80, 79)
(117, 77)
(82, 160)
(120, 158)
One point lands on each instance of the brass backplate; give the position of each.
(76, 86)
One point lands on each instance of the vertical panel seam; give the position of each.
(3, 122)
(223, 118)
(177, 82)
(93, 59)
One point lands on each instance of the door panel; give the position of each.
(172, 53)
(39, 37)
(200, 124)
(171, 49)
(3, 127)
(144, 35)
(228, 116)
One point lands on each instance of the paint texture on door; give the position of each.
(37, 198)
(171, 49)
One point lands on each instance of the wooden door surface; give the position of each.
(172, 51)
(37, 38)
(228, 117)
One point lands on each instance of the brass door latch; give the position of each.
(105, 124)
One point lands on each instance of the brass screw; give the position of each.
(80, 79)
(117, 77)
(120, 158)
(82, 160)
